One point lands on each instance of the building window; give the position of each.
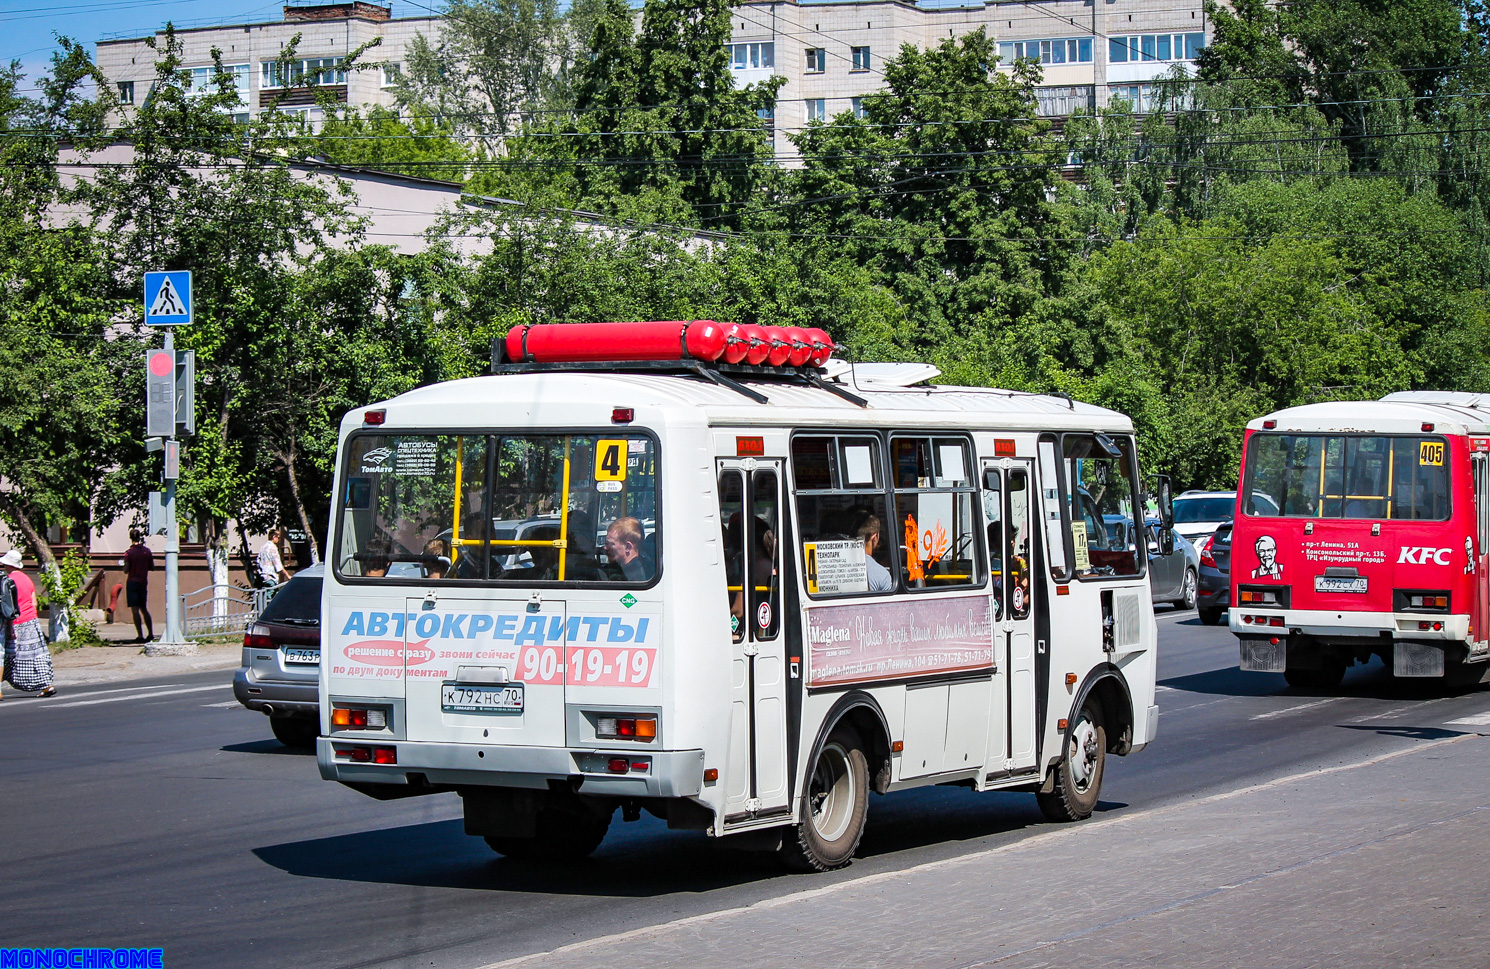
(1140, 97)
(126, 92)
(202, 80)
(1154, 47)
(859, 111)
(817, 60)
(817, 109)
(1063, 50)
(750, 57)
(861, 59)
(1058, 102)
(391, 74)
(768, 121)
(322, 70)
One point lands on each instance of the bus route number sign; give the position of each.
(1430, 454)
(610, 460)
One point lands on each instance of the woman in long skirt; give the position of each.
(28, 662)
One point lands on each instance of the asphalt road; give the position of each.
(159, 813)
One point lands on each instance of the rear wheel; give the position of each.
(1078, 777)
(557, 836)
(834, 809)
(1211, 617)
(295, 731)
(1327, 677)
(1188, 596)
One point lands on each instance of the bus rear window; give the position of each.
(507, 508)
(1348, 476)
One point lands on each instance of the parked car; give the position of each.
(1215, 574)
(1199, 513)
(280, 676)
(1172, 578)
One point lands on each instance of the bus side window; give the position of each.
(848, 539)
(934, 495)
(732, 522)
(763, 547)
(993, 511)
(1017, 556)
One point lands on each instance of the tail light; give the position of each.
(611, 727)
(257, 637)
(1274, 596)
(1204, 548)
(1420, 600)
(354, 718)
(367, 755)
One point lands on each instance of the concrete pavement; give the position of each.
(1380, 862)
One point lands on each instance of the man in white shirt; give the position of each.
(880, 579)
(271, 566)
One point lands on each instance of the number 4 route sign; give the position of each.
(168, 298)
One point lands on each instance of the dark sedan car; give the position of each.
(1215, 574)
(281, 671)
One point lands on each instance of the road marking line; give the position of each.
(123, 689)
(796, 898)
(138, 696)
(1297, 708)
(1478, 720)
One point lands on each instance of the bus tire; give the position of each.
(834, 806)
(298, 732)
(1211, 617)
(558, 836)
(1078, 777)
(1327, 677)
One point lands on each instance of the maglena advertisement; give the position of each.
(864, 642)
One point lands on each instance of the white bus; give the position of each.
(739, 599)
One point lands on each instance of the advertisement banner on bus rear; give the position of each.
(865, 642)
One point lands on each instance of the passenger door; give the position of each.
(750, 510)
(1011, 535)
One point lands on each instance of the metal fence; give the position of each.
(207, 612)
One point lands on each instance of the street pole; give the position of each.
(173, 542)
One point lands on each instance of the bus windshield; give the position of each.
(524, 508)
(1347, 476)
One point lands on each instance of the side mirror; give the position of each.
(1166, 515)
(991, 480)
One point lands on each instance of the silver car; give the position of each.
(280, 676)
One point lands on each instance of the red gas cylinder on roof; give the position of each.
(598, 342)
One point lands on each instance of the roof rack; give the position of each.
(721, 374)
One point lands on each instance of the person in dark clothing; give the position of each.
(138, 561)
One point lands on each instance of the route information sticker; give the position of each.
(836, 567)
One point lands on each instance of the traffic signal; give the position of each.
(170, 393)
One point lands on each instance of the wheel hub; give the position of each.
(1084, 753)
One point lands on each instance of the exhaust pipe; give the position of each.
(268, 709)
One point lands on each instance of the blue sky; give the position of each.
(27, 26)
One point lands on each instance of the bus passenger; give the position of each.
(436, 558)
(623, 545)
(879, 576)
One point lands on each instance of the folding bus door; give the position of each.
(1011, 535)
(750, 510)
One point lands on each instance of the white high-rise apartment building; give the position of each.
(831, 53)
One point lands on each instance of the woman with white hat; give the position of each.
(28, 663)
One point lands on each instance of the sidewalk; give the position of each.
(1378, 863)
(125, 659)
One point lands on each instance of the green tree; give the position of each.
(416, 144)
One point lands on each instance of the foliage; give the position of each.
(413, 144)
(61, 587)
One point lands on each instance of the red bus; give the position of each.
(1372, 540)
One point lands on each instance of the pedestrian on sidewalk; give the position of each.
(28, 662)
(271, 566)
(138, 561)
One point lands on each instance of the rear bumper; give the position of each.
(1215, 589)
(671, 773)
(276, 697)
(1328, 625)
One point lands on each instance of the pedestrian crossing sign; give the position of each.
(168, 298)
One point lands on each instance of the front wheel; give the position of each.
(1327, 677)
(295, 731)
(834, 807)
(1078, 777)
(557, 836)
(1188, 595)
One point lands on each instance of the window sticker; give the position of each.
(858, 466)
(1078, 541)
(836, 567)
(416, 457)
(952, 468)
(610, 459)
(1430, 454)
